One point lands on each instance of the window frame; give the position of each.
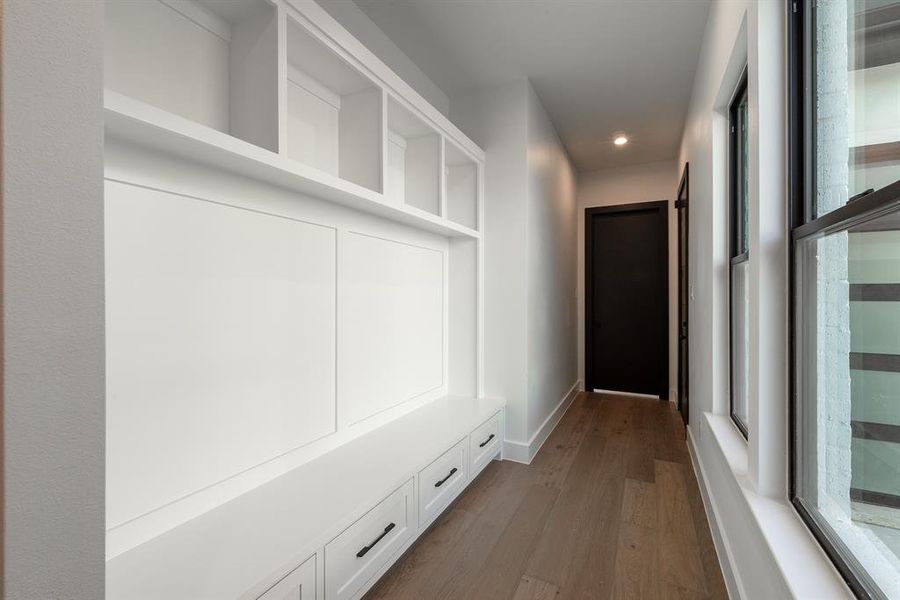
(803, 224)
(736, 253)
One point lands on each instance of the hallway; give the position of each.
(608, 508)
(300, 297)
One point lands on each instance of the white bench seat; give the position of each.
(244, 546)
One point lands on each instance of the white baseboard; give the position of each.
(524, 452)
(516, 452)
(712, 516)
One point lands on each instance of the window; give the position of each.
(845, 214)
(739, 244)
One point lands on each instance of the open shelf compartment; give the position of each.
(461, 175)
(413, 160)
(334, 112)
(214, 62)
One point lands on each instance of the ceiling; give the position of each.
(600, 67)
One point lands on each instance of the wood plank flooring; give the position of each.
(609, 508)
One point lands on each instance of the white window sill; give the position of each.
(803, 565)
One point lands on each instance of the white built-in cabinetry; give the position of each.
(293, 293)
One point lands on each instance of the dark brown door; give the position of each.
(626, 298)
(681, 205)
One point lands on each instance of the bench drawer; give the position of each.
(484, 444)
(353, 557)
(299, 584)
(441, 481)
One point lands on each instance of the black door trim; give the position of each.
(682, 207)
(662, 205)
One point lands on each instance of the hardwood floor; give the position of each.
(609, 508)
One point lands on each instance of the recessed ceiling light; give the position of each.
(620, 140)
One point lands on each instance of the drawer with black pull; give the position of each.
(353, 557)
(484, 444)
(441, 481)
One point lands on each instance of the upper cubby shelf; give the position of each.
(413, 160)
(255, 88)
(214, 62)
(333, 112)
(136, 122)
(462, 175)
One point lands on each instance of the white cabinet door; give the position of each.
(484, 444)
(299, 584)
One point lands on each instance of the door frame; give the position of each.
(588, 287)
(683, 388)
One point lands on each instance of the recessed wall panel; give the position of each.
(391, 324)
(220, 343)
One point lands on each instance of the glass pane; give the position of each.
(848, 386)
(857, 103)
(740, 341)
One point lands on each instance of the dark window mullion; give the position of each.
(742, 427)
(740, 258)
(738, 243)
(876, 204)
(808, 118)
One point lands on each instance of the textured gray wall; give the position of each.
(53, 356)
(832, 277)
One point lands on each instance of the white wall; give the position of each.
(647, 182)
(530, 355)
(495, 120)
(53, 378)
(765, 549)
(348, 14)
(550, 243)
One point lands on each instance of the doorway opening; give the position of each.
(627, 299)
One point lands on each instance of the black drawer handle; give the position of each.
(365, 549)
(449, 475)
(486, 442)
